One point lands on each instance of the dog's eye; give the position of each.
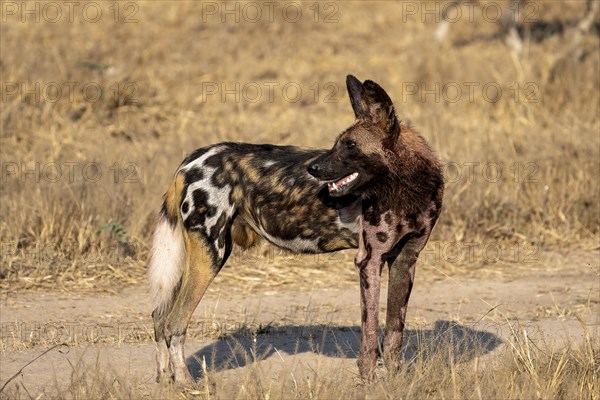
(350, 144)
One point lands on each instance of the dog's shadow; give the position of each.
(244, 345)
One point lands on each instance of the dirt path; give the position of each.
(284, 328)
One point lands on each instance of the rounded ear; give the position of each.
(379, 105)
(355, 89)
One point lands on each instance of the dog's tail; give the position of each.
(168, 249)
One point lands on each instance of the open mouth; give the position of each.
(342, 184)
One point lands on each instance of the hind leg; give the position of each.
(162, 356)
(198, 274)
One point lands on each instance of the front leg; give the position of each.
(370, 284)
(402, 263)
(375, 241)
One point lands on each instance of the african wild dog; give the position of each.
(379, 189)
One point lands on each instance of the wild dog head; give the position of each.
(362, 155)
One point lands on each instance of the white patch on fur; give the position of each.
(216, 197)
(166, 263)
(198, 163)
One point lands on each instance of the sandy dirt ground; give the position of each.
(285, 329)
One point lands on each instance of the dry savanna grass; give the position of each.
(439, 367)
(97, 115)
(84, 170)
